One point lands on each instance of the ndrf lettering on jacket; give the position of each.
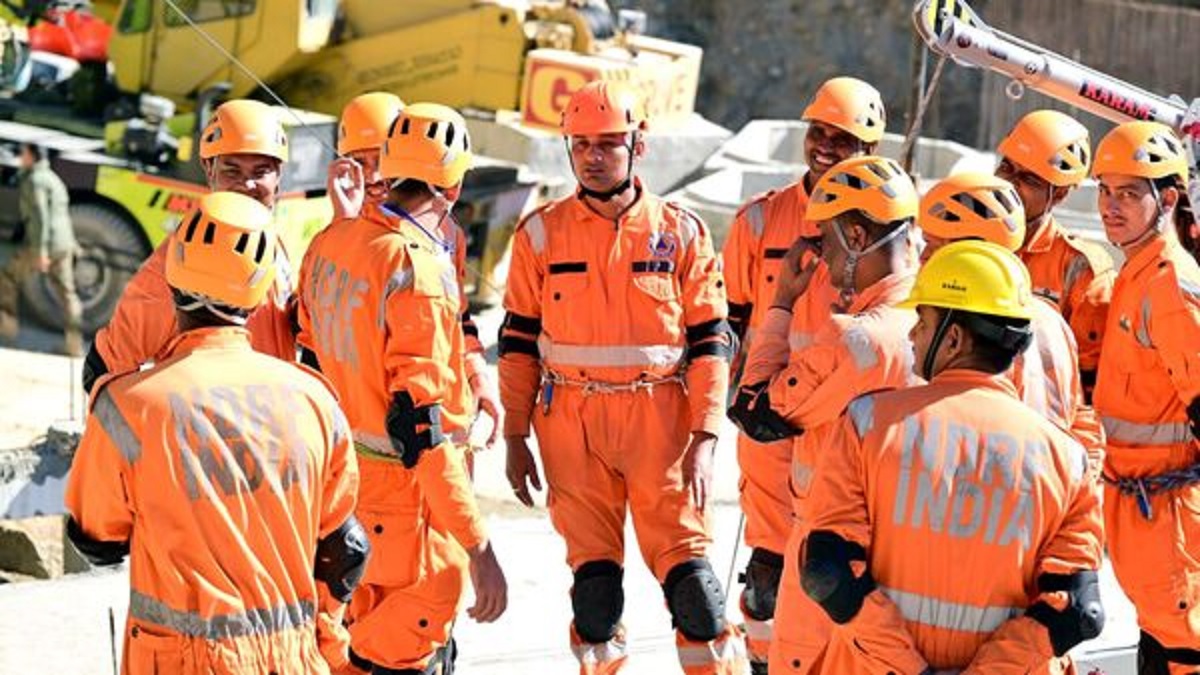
(957, 482)
(333, 295)
(220, 429)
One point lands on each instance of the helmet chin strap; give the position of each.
(852, 256)
(1156, 227)
(935, 344)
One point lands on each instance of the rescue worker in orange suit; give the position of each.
(955, 529)
(986, 207)
(865, 208)
(226, 475)
(1045, 156)
(354, 180)
(379, 313)
(616, 350)
(1148, 394)
(243, 150)
(846, 119)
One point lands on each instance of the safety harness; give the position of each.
(1142, 489)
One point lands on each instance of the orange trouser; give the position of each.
(604, 454)
(802, 628)
(148, 651)
(767, 504)
(404, 610)
(1157, 562)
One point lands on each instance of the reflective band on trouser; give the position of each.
(1124, 432)
(758, 638)
(607, 652)
(609, 356)
(222, 626)
(949, 615)
(728, 648)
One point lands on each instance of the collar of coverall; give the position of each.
(209, 337)
(890, 290)
(635, 210)
(1045, 236)
(978, 379)
(1155, 250)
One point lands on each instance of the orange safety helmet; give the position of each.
(875, 186)
(1144, 149)
(244, 126)
(603, 107)
(224, 251)
(427, 142)
(365, 121)
(974, 206)
(1051, 145)
(851, 105)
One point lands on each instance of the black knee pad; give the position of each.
(762, 584)
(1083, 617)
(696, 601)
(827, 577)
(598, 600)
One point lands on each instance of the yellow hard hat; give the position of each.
(973, 205)
(875, 186)
(1051, 145)
(974, 276)
(365, 121)
(224, 251)
(427, 142)
(851, 105)
(244, 126)
(1144, 149)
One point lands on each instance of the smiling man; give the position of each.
(846, 119)
(1148, 394)
(242, 150)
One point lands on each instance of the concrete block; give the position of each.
(32, 546)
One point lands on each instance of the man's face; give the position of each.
(1035, 193)
(376, 186)
(921, 336)
(602, 161)
(27, 158)
(1127, 207)
(826, 145)
(256, 176)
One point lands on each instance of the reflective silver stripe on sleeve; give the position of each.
(536, 228)
(118, 430)
(1125, 432)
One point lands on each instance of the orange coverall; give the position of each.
(759, 238)
(380, 309)
(1076, 276)
(221, 468)
(1149, 373)
(813, 378)
(962, 496)
(601, 318)
(144, 320)
(1047, 379)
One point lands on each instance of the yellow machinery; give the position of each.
(489, 55)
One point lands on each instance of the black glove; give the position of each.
(752, 413)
